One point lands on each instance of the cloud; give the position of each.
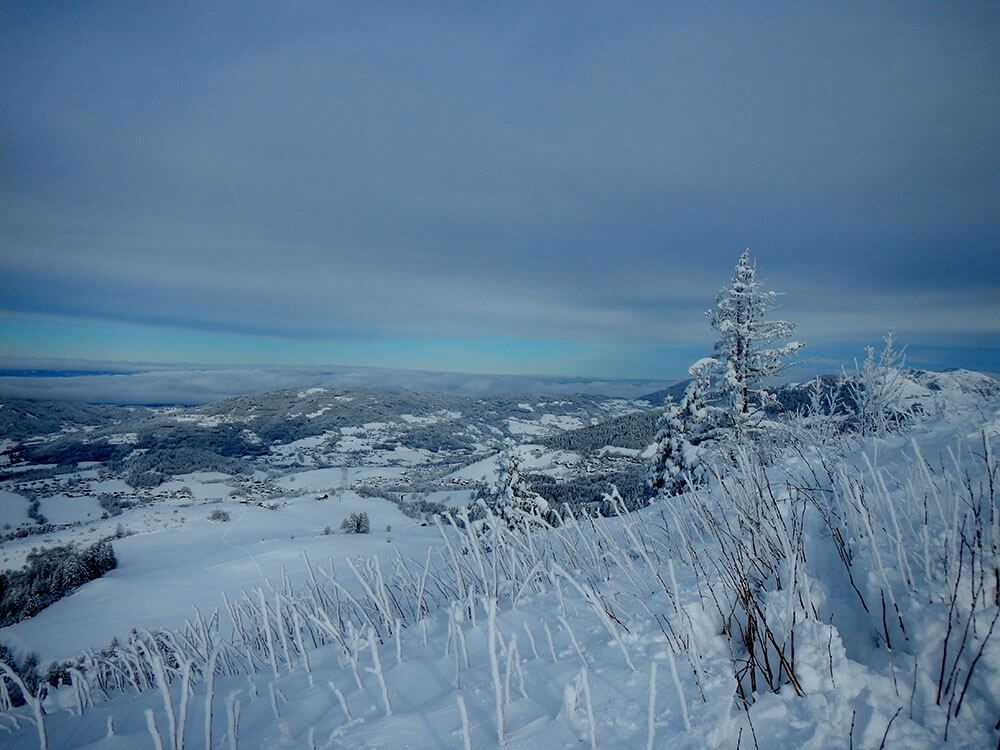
(68, 380)
(553, 173)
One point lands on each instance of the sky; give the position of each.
(552, 189)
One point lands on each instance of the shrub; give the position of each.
(35, 514)
(218, 515)
(356, 523)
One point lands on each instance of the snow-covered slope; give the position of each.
(838, 598)
(841, 597)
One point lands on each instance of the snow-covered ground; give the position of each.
(323, 480)
(536, 459)
(456, 499)
(13, 509)
(62, 509)
(842, 597)
(178, 559)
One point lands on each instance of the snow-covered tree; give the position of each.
(356, 523)
(747, 352)
(677, 457)
(611, 502)
(512, 495)
(667, 469)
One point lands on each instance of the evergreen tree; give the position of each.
(512, 495)
(746, 353)
(677, 459)
(356, 523)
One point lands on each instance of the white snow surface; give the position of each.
(13, 509)
(165, 571)
(65, 509)
(598, 634)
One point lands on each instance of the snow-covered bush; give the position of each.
(218, 515)
(356, 523)
(876, 389)
(668, 472)
(26, 669)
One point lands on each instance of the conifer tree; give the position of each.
(512, 495)
(746, 352)
(677, 459)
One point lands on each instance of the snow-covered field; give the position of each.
(535, 458)
(179, 559)
(62, 509)
(13, 508)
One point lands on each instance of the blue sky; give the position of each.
(554, 188)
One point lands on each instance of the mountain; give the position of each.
(47, 435)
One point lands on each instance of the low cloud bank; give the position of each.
(124, 384)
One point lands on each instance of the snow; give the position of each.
(200, 489)
(547, 424)
(449, 498)
(321, 480)
(66, 509)
(536, 459)
(442, 415)
(307, 443)
(123, 438)
(206, 558)
(109, 485)
(311, 392)
(13, 509)
(21, 468)
(614, 450)
(483, 470)
(404, 456)
(205, 476)
(353, 443)
(523, 427)
(561, 422)
(551, 640)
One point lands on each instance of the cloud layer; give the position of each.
(563, 173)
(142, 383)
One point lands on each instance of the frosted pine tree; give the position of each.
(512, 495)
(667, 470)
(612, 502)
(677, 458)
(746, 353)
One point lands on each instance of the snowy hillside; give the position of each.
(844, 596)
